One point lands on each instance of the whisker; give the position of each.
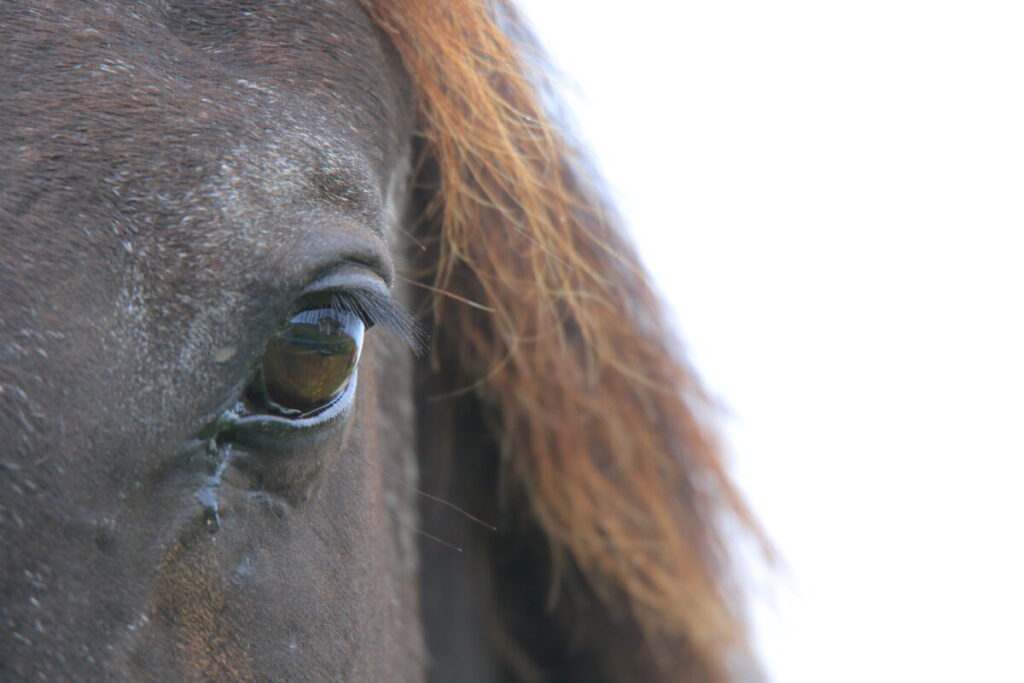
(401, 482)
(415, 241)
(421, 532)
(401, 521)
(452, 505)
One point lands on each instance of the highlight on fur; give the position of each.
(600, 420)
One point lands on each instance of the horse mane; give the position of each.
(553, 326)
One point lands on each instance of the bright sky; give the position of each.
(831, 196)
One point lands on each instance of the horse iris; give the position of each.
(310, 362)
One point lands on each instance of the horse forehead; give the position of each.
(317, 76)
(187, 123)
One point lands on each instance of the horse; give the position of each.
(325, 358)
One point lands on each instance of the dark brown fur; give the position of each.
(173, 174)
(164, 197)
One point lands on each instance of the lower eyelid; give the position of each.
(277, 425)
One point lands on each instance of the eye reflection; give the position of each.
(310, 362)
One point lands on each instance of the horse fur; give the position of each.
(174, 174)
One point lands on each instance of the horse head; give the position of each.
(216, 219)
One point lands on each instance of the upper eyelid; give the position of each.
(360, 272)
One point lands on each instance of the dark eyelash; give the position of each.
(376, 308)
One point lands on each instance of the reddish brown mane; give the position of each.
(599, 418)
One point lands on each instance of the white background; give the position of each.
(831, 196)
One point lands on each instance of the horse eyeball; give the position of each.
(311, 360)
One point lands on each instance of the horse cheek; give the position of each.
(190, 598)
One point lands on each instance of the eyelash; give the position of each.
(377, 309)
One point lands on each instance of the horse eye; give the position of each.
(309, 363)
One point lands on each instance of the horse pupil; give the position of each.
(312, 358)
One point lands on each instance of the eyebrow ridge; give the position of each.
(350, 190)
